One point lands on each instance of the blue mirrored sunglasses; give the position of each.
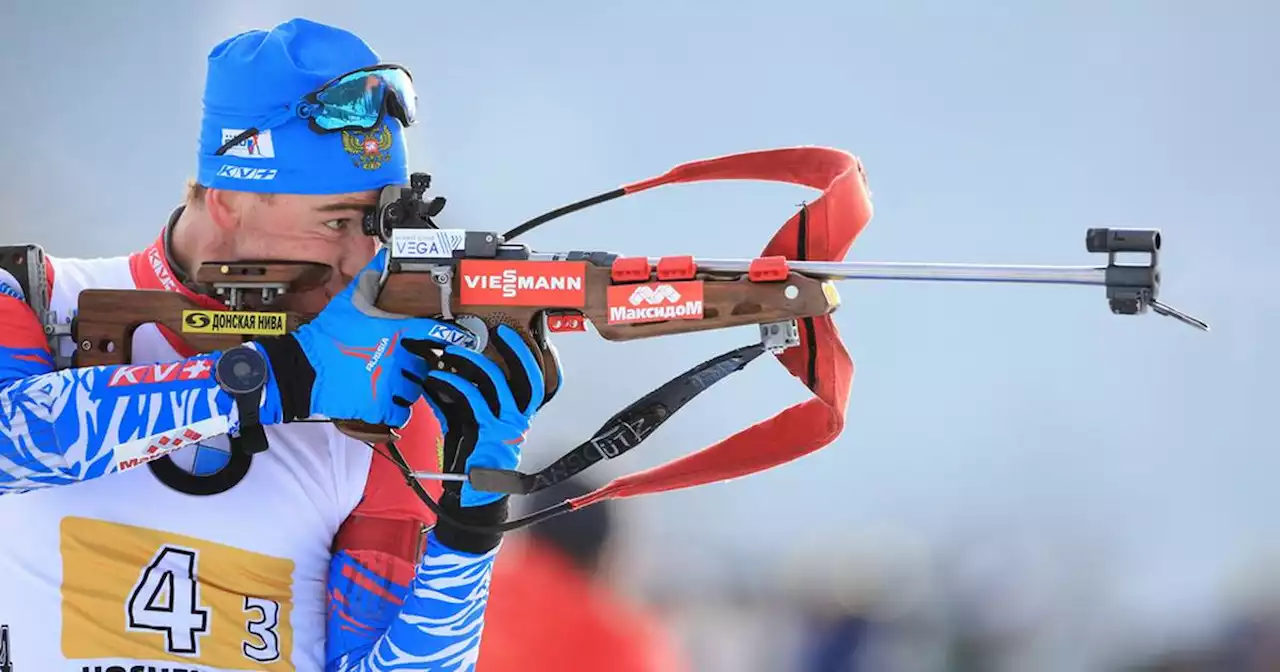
(356, 101)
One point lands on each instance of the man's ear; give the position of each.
(224, 207)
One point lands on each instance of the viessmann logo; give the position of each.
(549, 284)
(655, 302)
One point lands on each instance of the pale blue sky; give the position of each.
(991, 132)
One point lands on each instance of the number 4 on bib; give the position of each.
(167, 599)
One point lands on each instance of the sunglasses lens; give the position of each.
(358, 99)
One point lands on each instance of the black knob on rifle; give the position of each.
(419, 183)
(1122, 240)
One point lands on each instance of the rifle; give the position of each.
(481, 278)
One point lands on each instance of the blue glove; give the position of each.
(355, 361)
(484, 415)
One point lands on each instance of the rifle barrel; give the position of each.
(839, 270)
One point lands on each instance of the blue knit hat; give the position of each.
(256, 75)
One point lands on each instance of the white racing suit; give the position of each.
(318, 557)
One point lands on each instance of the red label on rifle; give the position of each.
(550, 284)
(562, 322)
(655, 302)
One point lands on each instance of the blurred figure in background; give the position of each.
(552, 608)
(836, 642)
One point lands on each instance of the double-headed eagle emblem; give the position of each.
(369, 150)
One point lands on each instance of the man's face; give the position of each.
(292, 227)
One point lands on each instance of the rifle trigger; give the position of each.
(443, 277)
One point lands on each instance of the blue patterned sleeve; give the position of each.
(433, 621)
(64, 426)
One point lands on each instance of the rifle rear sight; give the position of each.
(403, 208)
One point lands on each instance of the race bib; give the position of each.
(132, 595)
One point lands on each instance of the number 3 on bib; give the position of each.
(166, 599)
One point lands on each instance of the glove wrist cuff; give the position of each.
(467, 540)
(295, 377)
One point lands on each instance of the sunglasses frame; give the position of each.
(312, 99)
(303, 108)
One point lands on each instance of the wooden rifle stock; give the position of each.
(107, 319)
